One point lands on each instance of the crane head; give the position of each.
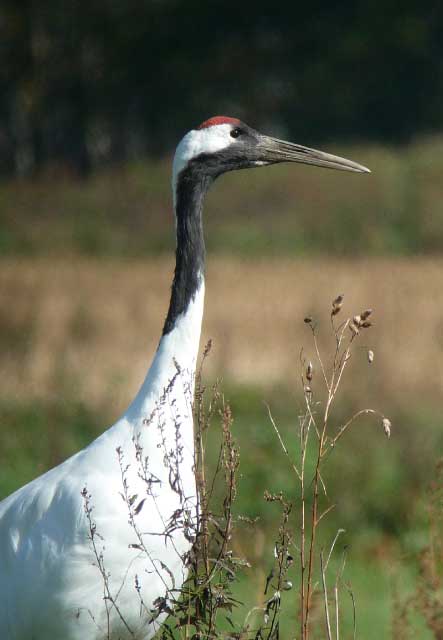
(223, 144)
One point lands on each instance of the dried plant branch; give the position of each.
(325, 596)
(110, 600)
(352, 419)
(198, 606)
(345, 334)
(280, 439)
(337, 535)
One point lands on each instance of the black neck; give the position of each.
(191, 189)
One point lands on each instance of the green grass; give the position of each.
(37, 436)
(285, 210)
(379, 496)
(372, 582)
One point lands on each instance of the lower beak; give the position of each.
(273, 150)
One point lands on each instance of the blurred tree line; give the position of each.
(82, 84)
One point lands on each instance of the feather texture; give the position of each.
(50, 585)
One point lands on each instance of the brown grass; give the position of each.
(94, 325)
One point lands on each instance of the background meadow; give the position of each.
(86, 244)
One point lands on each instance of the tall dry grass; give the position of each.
(96, 324)
(207, 600)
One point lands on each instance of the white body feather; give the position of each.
(50, 586)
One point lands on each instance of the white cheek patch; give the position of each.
(208, 140)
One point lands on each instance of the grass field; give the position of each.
(77, 336)
(283, 210)
(98, 322)
(85, 273)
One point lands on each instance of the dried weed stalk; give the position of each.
(207, 602)
(317, 438)
(427, 598)
(202, 607)
(429, 594)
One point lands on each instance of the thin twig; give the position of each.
(283, 446)
(341, 431)
(325, 595)
(337, 535)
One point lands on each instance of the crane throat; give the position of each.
(190, 190)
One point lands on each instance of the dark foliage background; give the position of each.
(83, 84)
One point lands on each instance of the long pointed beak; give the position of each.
(272, 150)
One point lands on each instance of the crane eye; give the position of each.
(236, 132)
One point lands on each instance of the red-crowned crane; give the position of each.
(137, 477)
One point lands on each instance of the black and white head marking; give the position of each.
(218, 145)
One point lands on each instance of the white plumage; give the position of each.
(50, 587)
(56, 583)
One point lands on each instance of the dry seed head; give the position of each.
(308, 389)
(370, 356)
(354, 328)
(208, 347)
(387, 427)
(338, 299)
(360, 321)
(287, 585)
(337, 304)
(309, 371)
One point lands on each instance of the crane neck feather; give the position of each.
(190, 189)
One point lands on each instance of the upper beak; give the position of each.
(273, 150)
